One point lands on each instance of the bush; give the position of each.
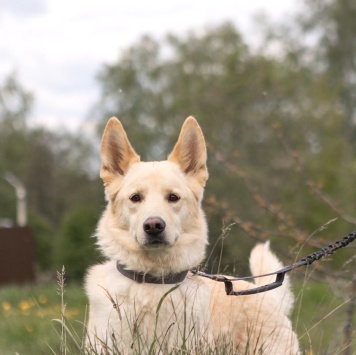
(76, 249)
(43, 233)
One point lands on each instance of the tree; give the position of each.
(55, 167)
(333, 24)
(15, 105)
(257, 111)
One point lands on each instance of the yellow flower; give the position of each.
(42, 299)
(29, 328)
(309, 351)
(25, 305)
(6, 306)
(72, 312)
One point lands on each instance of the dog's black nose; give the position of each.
(154, 226)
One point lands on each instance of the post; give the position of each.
(21, 197)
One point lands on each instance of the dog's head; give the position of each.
(154, 221)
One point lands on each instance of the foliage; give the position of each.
(75, 247)
(15, 104)
(43, 234)
(332, 22)
(273, 124)
(55, 167)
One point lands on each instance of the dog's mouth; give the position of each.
(155, 243)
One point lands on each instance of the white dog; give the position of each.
(152, 233)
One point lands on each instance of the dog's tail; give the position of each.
(263, 261)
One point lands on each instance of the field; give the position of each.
(31, 315)
(31, 319)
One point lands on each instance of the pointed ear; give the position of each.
(190, 151)
(117, 154)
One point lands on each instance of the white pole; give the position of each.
(21, 196)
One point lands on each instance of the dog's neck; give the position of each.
(141, 277)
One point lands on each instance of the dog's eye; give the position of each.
(173, 198)
(135, 198)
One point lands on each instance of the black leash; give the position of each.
(308, 260)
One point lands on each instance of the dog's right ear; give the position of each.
(117, 154)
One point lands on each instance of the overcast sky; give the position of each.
(57, 47)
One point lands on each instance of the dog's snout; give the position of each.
(154, 226)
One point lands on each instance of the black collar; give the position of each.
(141, 277)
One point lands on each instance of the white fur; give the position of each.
(263, 261)
(125, 315)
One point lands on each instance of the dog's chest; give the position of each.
(164, 306)
(140, 313)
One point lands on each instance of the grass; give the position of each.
(35, 319)
(27, 314)
(320, 316)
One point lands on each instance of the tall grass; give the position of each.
(27, 313)
(37, 320)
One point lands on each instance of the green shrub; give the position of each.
(76, 249)
(43, 234)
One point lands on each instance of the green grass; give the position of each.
(28, 327)
(320, 316)
(27, 316)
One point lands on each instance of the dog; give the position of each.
(144, 299)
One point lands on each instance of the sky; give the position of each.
(57, 47)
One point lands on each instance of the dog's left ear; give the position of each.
(190, 151)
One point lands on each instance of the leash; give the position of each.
(280, 274)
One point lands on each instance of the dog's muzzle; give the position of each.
(154, 228)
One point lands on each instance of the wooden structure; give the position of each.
(16, 255)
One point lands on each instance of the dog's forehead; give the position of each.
(154, 167)
(159, 172)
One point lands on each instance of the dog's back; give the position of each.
(255, 324)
